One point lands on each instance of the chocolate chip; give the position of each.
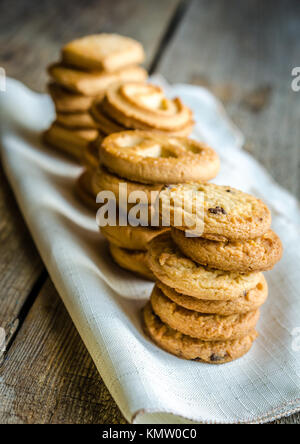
(245, 293)
(217, 210)
(214, 357)
(228, 191)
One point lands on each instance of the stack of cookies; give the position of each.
(205, 304)
(133, 105)
(89, 66)
(137, 105)
(138, 164)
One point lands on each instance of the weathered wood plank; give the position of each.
(244, 52)
(48, 375)
(32, 34)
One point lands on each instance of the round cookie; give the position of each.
(105, 123)
(258, 254)
(70, 141)
(207, 327)
(93, 83)
(148, 157)
(108, 52)
(83, 190)
(144, 106)
(69, 102)
(76, 120)
(249, 301)
(134, 261)
(131, 238)
(215, 212)
(186, 347)
(170, 266)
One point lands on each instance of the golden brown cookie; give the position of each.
(186, 347)
(144, 106)
(227, 213)
(105, 123)
(95, 82)
(131, 238)
(147, 157)
(108, 52)
(207, 327)
(83, 190)
(90, 157)
(134, 261)
(258, 254)
(76, 120)
(72, 142)
(249, 301)
(69, 102)
(174, 269)
(103, 179)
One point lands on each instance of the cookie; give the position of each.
(106, 124)
(249, 301)
(207, 327)
(132, 260)
(103, 179)
(144, 106)
(215, 212)
(72, 142)
(95, 82)
(83, 190)
(186, 347)
(174, 269)
(76, 120)
(258, 254)
(147, 157)
(69, 102)
(108, 52)
(90, 157)
(131, 238)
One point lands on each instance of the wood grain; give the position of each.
(48, 376)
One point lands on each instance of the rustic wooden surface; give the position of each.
(244, 53)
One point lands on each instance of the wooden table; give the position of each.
(243, 51)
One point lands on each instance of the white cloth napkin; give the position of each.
(149, 385)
